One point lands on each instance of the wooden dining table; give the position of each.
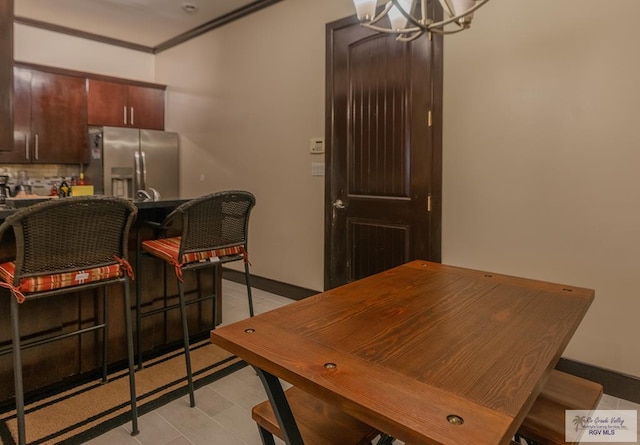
(425, 352)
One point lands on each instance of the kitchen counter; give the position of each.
(142, 205)
(71, 359)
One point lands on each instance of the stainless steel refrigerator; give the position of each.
(124, 161)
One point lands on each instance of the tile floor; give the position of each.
(222, 415)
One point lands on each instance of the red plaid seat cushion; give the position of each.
(168, 248)
(58, 281)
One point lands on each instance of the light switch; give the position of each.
(316, 145)
(317, 169)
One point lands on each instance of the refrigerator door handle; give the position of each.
(144, 170)
(138, 171)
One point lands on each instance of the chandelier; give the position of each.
(458, 16)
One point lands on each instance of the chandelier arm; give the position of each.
(448, 31)
(393, 31)
(431, 26)
(382, 14)
(410, 38)
(423, 11)
(421, 26)
(441, 32)
(408, 16)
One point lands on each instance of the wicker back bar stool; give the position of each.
(213, 231)
(64, 246)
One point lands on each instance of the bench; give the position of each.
(545, 422)
(323, 424)
(320, 423)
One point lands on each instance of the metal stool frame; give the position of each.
(214, 221)
(96, 236)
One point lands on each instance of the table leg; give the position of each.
(385, 439)
(281, 408)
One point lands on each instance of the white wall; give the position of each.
(246, 98)
(542, 157)
(48, 48)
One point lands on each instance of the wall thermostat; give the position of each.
(316, 145)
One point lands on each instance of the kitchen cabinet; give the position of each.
(50, 118)
(6, 76)
(125, 105)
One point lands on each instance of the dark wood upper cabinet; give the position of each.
(6, 75)
(21, 117)
(58, 118)
(50, 119)
(148, 107)
(107, 103)
(124, 105)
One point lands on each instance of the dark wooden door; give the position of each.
(383, 153)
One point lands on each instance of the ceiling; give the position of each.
(150, 24)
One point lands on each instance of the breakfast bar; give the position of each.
(77, 357)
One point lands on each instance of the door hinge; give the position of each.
(429, 202)
(429, 119)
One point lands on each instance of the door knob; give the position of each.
(338, 204)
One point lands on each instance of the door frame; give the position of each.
(435, 192)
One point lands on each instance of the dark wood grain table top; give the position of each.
(406, 349)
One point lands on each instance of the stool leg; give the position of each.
(185, 334)
(132, 378)
(216, 286)
(138, 299)
(214, 290)
(247, 277)
(105, 336)
(17, 371)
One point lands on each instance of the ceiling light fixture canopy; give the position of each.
(408, 26)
